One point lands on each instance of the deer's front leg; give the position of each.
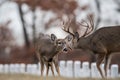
(56, 65)
(52, 68)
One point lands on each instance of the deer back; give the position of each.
(106, 38)
(45, 46)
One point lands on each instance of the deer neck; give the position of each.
(84, 43)
(54, 52)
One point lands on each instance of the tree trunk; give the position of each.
(27, 43)
(33, 26)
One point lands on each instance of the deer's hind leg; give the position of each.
(100, 58)
(56, 65)
(106, 63)
(47, 68)
(41, 63)
(50, 65)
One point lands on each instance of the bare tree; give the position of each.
(6, 37)
(23, 25)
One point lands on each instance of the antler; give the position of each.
(90, 26)
(66, 27)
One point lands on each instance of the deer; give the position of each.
(102, 42)
(47, 49)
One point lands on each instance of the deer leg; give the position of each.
(99, 61)
(47, 68)
(52, 69)
(57, 67)
(42, 68)
(107, 62)
(41, 62)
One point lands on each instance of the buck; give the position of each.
(47, 50)
(102, 42)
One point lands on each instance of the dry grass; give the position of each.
(31, 77)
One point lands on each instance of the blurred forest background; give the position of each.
(21, 21)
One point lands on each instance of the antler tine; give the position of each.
(91, 25)
(91, 22)
(87, 25)
(66, 27)
(83, 21)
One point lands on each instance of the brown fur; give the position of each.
(47, 49)
(103, 42)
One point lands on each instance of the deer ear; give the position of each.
(69, 38)
(53, 37)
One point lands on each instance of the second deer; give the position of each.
(103, 42)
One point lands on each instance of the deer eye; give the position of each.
(59, 42)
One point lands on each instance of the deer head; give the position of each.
(61, 43)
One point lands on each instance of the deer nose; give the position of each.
(65, 49)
